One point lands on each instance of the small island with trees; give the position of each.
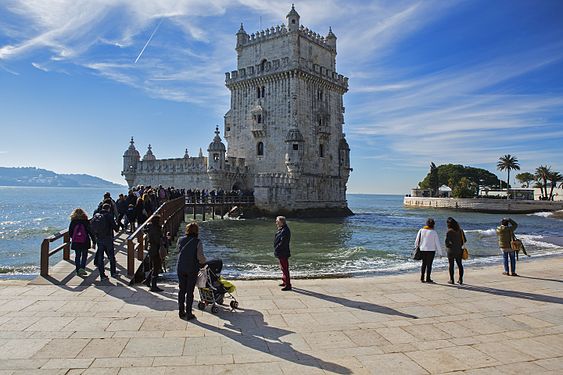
(467, 188)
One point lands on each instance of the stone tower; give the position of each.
(286, 118)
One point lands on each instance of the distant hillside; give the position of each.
(31, 176)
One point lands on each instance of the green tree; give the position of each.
(508, 163)
(464, 189)
(451, 175)
(434, 180)
(542, 176)
(554, 179)
(525, 178)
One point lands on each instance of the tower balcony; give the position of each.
(258, 130)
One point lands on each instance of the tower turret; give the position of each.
(130, 159)
(242, 38)
(331, 39)
(344, 157)
(216, 153)
(294, 151)
(293, 19)
(149, 155)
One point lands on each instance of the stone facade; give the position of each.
(284, 128)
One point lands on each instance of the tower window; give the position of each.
(292, 21)
(263, 91)
(320, 94)
(216, 157)
(258, 92)
(295, 146)
(259, 119)
(260, 149)
(321, 150)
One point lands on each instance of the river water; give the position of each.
(377, 240)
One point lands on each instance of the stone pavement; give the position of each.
(390, 324)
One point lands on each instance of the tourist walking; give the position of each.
(190, 260)
(80, 234)
(121, 206)
(154, 233)
(103, 225)
(428, 242)
(281, 250)
(455, 238)
(505, 234)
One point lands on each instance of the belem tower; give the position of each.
(283, 128)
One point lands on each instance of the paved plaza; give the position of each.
(494, 324)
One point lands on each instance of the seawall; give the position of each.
(483, 205)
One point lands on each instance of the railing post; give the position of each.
(141, 246)
(130, 258)
(44, 270)
(66, 249)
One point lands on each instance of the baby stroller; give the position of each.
(215, 288)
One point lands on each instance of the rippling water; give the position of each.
(378, 239)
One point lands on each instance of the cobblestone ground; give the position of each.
(494, 324)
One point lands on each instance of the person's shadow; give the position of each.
(267, 339)
(366, 306)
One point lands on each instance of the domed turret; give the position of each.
(149, 155)
(294, 150)
(216, 153)
(186, 155)
(242, 37)
(130, 159)
(293, 19)
(331, 39)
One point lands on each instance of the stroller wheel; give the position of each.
(201, 305)
(234, 305)
(214, 309)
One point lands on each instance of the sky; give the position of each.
(461, 82)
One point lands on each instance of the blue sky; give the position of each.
(444, 81)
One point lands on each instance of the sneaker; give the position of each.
(282, 284)
(460, 282)
(450, 281)
(115, 275)
(82, 272)
(505, 273)
(155, 289)
(513, 274)
(422, 280)
(182, 314)
(104, 277)
(430, 281)
(286, 288)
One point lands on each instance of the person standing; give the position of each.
(281, 250)
(428, 242)
(154, 233)
(121, 206)
(455, 238)
(103, 225)
(190, 260)
(505, 234)
(80, 235)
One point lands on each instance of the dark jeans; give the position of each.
(512, 256)
(457, 259)
(187, 285)
(155, 269)
(284, 265)
(80, 259)
(427, 259)
(105, 246)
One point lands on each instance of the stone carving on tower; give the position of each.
(284, 129)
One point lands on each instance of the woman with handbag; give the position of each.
(428, 242)
(190, 259)
(455, 239)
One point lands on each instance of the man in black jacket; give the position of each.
(103, 225)
(281, 250)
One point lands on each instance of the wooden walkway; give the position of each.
(63, 272)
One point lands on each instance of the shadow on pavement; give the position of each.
(248, 328)
(366, 306)
(510, 293)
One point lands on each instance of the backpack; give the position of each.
(79, 235)
(98, 224)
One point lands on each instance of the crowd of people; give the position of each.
(213, 196)
(427, 245)
(141, 202)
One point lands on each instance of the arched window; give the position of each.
(259, 119)
(260, 149)
(258, 92)
(263, 91)
(321, 150)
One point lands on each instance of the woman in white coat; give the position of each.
(428, 242)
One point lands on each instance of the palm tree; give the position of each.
(508, 163)
(542, 175)
(554, 178)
